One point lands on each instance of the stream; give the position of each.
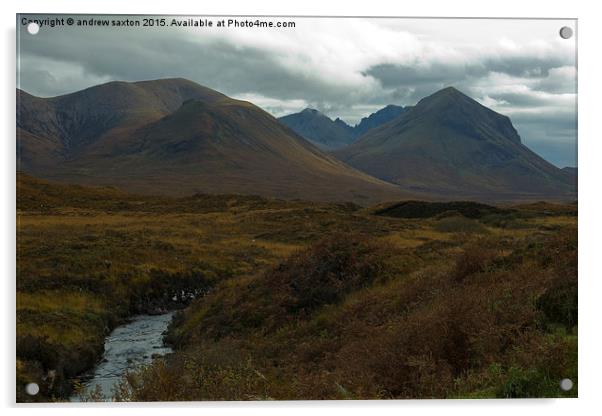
(128, 347)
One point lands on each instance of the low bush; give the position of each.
(473, 259)
(208, 374)
(328, 270)
(423, 209)
(458, 224)
(471, 328)
(320, 275)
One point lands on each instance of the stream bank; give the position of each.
(128, 347)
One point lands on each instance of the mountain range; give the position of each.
(328, 134)
(319, 129)
(175, 137)
(450, 145)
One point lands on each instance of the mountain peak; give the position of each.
(449, 90)
(327, 134)
(450, 143)
(447, 95)
(310, 110)
(319, 129)
(454, 109)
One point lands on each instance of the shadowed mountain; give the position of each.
(52, 130)
(319, 129)
(450, 145)
(175, 137)
(382, 116)
(332, 135)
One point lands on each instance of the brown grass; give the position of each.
(306, 300)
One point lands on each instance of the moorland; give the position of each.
(298, 299)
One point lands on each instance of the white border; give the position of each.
(590, 203)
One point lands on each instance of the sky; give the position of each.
(344, 67)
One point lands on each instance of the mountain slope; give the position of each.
(380, 117)
(450, 145)
(175, 137)
(571, 174)
(65, 125)
(570, 171)
(319, 129)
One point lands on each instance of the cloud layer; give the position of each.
(347, 68)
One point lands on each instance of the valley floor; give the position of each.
(297, 300)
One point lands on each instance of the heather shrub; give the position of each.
(473, 259)
(207, 374)
(458, 224)
(559, 302)
(338, 321)
(328, 270)
(320, 275)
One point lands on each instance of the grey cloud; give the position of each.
(557, 84)
(391, 75)
(516, 99)
(148, 55)
(43, 82)
(523, 66)
(439, 74)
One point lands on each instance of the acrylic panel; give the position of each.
(295, 208)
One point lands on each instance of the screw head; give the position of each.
(32, 389)
(566, 384)
(33, 28)
(566, 32)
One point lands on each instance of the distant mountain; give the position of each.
(450, 145)
(319, 129)
(175, 137)
(330, 134)
(382, 116)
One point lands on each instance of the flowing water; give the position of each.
(128, 347)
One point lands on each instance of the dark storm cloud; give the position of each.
(523, 66)
(408, 84)
(151, 54)
(395, 76)
(437, 75)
